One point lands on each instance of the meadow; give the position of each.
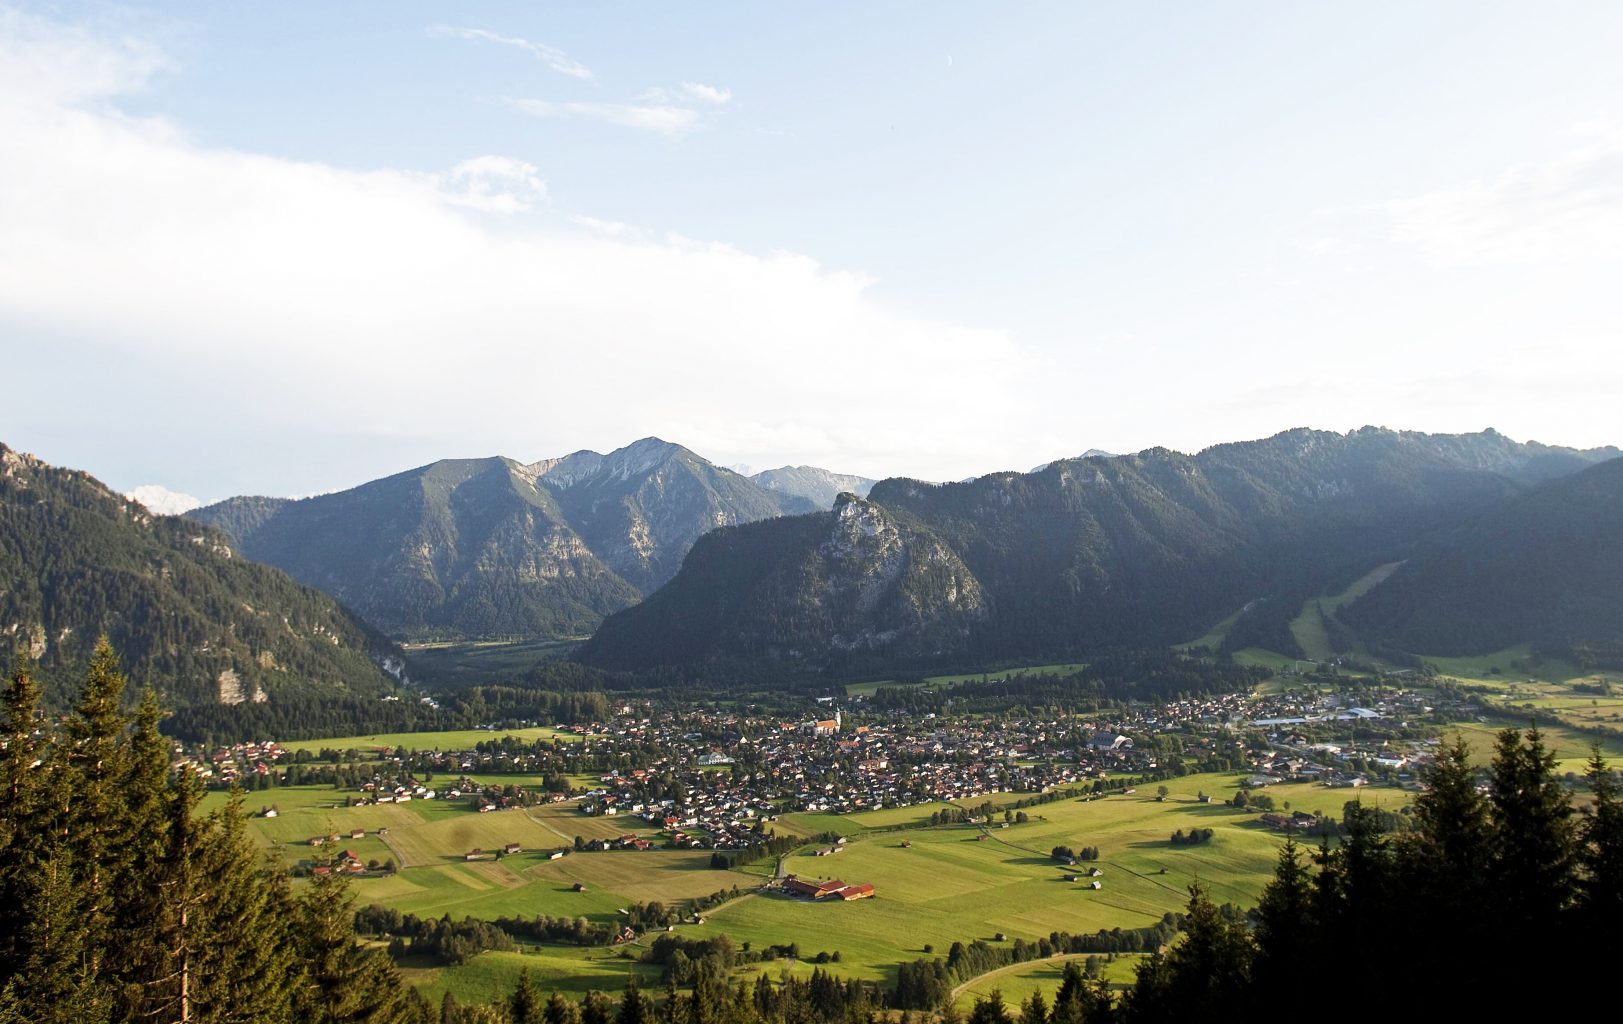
(950, 883)
(867, 689)
(1017, 983)
(453, 739)
(458, 664)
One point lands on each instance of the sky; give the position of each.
(284, 249)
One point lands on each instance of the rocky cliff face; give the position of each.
(825, 590)
(1145, 549)
(641, 508)
(491, 548)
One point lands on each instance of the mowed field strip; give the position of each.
(950, 883)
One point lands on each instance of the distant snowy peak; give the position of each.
(819, 486)
(160, 499)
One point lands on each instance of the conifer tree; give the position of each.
(1069, 999)
(990, 1010)
(54, 981)
(345, 984)
(560, 1011)
(25, 831)
(1285, 930)
(140, 943)
(1206, 974)
(1602, 857)
(525, 1005)
(94, 772)
(634, 1008)
(1534, 853)
(1034, 1010)
(1452, 828)
(245, 968)
(596, 1008)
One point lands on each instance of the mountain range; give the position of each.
(1437, 544)
(1146, 549)
(495, 548)
(184, 610)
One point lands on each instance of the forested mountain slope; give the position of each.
(187, 614)
(1151, 548)
(1546, 567)
(843, 588)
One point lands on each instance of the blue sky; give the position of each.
(283, 249)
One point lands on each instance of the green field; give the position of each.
(1018, 983)
(867, 689)
(455, 739)
(947, 885)
(567, 969)
(1215, 636)
(1310, 628)
(1571, 748)
(455, 665)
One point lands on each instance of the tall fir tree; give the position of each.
(25, 829)
(344, 983)
(1285, 928)
(91, 814)
(525, 1005)
(1534, 853)
(245, 972)
(1601, 891)
(1207, 973)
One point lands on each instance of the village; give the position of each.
(711, 780)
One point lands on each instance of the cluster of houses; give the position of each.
(223, 766)
(717, 779)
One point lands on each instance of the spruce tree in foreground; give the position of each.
(121, 904)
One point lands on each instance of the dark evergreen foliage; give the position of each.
(123, 904)
(1142, 550)
(78, 561)
(1546, 566)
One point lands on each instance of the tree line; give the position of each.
(119, 902)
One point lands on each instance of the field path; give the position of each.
(399, 857)
(1010, 968)
(548, 826)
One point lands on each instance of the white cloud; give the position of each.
(495, 184)
(1567, 209)
(552, 57)
(336, 310)
(614, 228)
(662, 119)
(688, 92)
(707, 93)
(162, 500)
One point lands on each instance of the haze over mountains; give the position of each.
(819, 486)
(494, 548)
(1146, 549)
(1463, 543)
